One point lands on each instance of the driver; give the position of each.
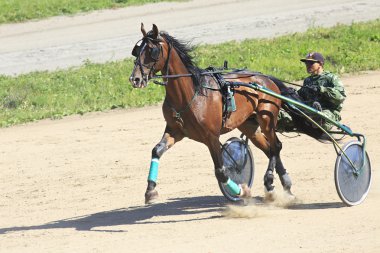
(322, 90)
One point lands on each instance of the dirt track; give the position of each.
(77, 185)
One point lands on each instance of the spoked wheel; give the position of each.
(353, 185)
(239, 163)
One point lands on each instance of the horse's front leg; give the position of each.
(169, 138)
(214, 147)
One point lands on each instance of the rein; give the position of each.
(214, 72)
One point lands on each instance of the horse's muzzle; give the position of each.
(138, 82)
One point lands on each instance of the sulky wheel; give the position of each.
(353, 185)
(239, 164)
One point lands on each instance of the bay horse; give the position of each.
(195, 110)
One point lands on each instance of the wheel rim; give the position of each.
(238, 160)
(351, 188)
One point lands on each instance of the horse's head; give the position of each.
(149, 53)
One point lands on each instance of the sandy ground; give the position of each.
(109, 35)
(77, 185)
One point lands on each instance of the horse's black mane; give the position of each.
(183, 50)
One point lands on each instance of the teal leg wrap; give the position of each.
(233, 187)
(153, 171)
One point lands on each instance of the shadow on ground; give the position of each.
(177, 209)
(312, 206)
(174, 211)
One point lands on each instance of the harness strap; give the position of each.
(227, 92)
(177, 114)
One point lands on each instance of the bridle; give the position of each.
(154, 54)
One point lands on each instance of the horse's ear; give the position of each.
(143, 30)
(155, 31)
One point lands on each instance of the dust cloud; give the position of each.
(255, 208)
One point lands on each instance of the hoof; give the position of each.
(151, 196)
(245, 192)
(268, 181)
(280, 199)
(288, 191)
(270, 196)
(290, 196)
(286, 182)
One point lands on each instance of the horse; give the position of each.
(194, 110)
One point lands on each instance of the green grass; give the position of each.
(21, 10)
(347, 48)
(93, 87)
(97, 87)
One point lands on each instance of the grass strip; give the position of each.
(98, 87)
(12, 11)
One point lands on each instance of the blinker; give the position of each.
(136, 51)
(155, 53)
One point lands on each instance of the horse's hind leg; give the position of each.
(267, 123)
(168, 140)
(251, 129)
(286, 182)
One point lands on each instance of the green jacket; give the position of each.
(331, 95)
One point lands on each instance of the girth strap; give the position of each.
(177, 114)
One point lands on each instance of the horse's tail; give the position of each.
(283, 88)
(299, 120)
(286, 91)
